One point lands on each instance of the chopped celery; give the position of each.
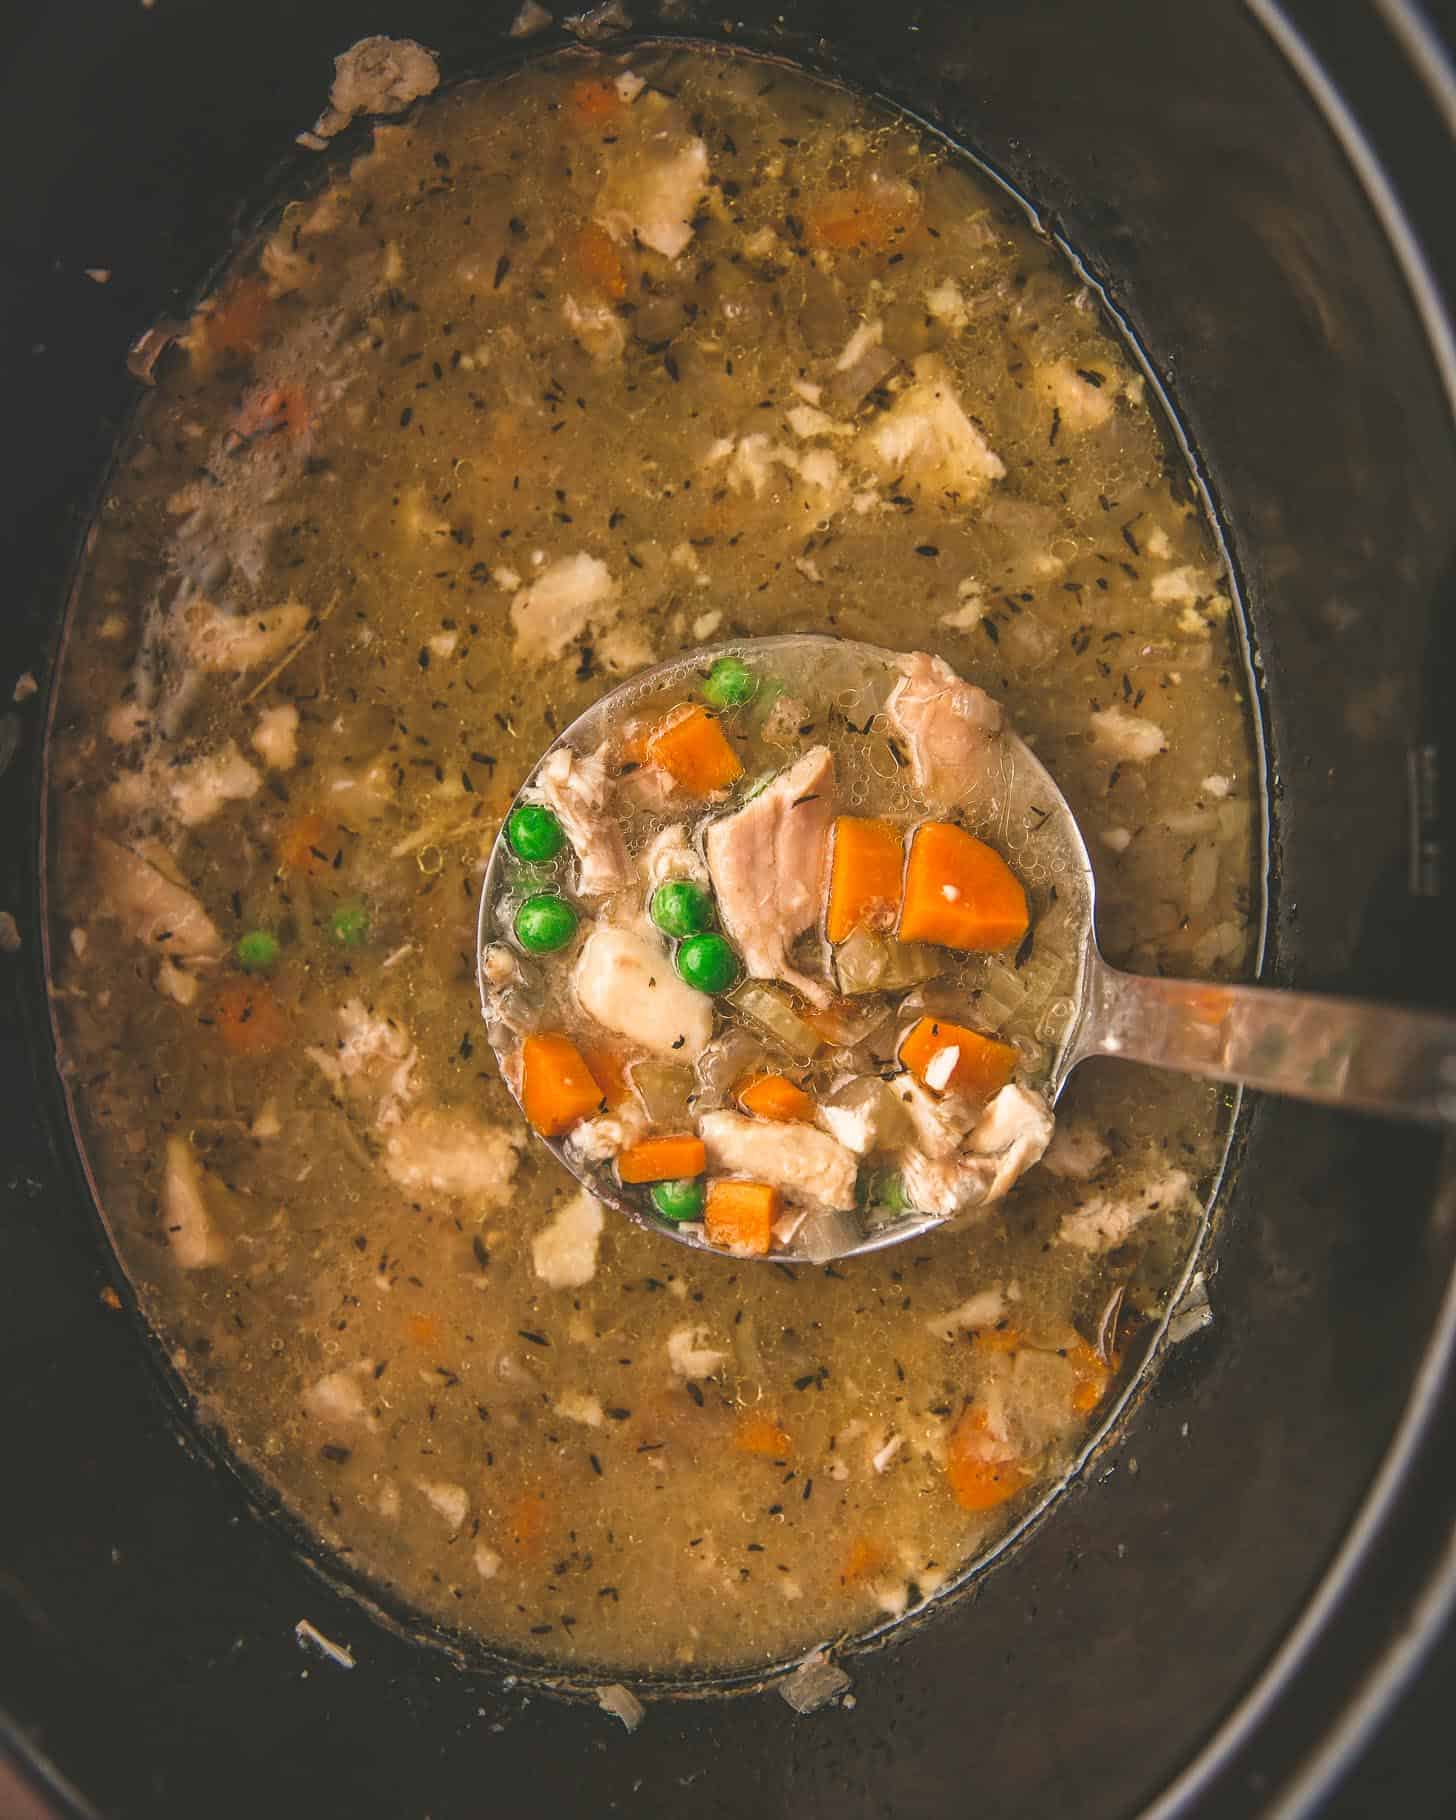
(878, 963)
(769, 1007)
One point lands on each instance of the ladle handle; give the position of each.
(1342, 1052)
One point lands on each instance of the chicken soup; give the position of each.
(611, 361)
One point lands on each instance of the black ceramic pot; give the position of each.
(1216, 1620)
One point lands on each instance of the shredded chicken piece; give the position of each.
(1081, 404)
(372, 1055)
(275, 738)
(1006, 1140)
(1107, 1221)
(689, 1354)
(1076, 1152)
(950, 729)
(808, 1165)
(196, 1245)
(336, 1400)
(624, 980)
(565, 598)
(1131, 739)
(152, 907)
(576, 788)
(670, 854)
(983, 1309)
(769, 862)
(926, 437)
(652, 191)
(230, 643)
(451, 1154)
(564, 1252)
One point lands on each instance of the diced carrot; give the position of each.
(557, 1087)
(960, 893)
(609, 1071)
(525, 1527)
(983, 1473)
(662, 1159)
(864, 877)
(760, 1434)
(593, 102)
(772, 1096)
(301, 846)
(424, 1332)
(863, 220)
(982, 1065)
(740, 1216)
(595, 257)
(1091, 1377)
(249, 1018)
(865, 1557)
(690, 747)
(274, 410)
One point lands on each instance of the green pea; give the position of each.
(882, 1190)
(892, 1193)
(681, 908)
(534, 833)
(679, 1200)
(257, 951)
(545, 923)
(729, 684)
(707, 963)
(349, 925)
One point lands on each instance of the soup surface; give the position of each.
(569, 373)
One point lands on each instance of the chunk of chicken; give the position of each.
(1077, 1152)
(599, 1140)
(193, 791)
(1080, 404)
(152, 907)
(950, 729)
(195, 1242)
(1130, 739)
(451, 1154)
(652, 190)
(577, 788)
(941, 1123)
(564, 1251)
(566, 597)
(1006, 1140)
(275, 737)
(372, 1057)
(769, 863)
(808, 1165)
(230, 643)
(983, 1309)
(1107, 1221)
(926, 438)
(671, 855)
(597, 327)
(625, 981)
(866, 1116)
(336, 1400)
(690, 1355)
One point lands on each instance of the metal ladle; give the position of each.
(1366, 1056)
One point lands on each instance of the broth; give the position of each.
(571, 372)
